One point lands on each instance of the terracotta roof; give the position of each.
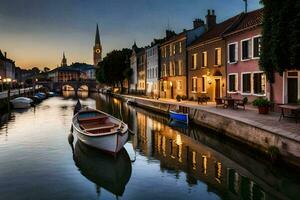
(217, 31)
(248, 20)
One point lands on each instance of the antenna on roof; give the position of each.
(246, 5)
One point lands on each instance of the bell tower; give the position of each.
(97, 48)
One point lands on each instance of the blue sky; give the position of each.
(36, 32)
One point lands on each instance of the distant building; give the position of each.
(153, 68)
(133, 64)
(141, 71)
(7, 67)
(64, 61)
(64, 74)
(174, 60)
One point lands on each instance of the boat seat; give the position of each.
(95, 126)
(96, 118)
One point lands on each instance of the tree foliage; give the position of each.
(113, 69)
(281, 37)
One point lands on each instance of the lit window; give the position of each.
(170, 50)
(203, 84)
(218, 56)
(204, 59)
(180, 47)
(246, 49)
(259, 83)
(194, 84)
(256, 46)
(246, 83)
(179, 85)
(194, 61)
(180, 69)
(232, 53)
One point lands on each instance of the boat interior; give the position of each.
(96, 123)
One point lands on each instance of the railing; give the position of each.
(14, 92)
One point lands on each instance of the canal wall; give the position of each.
(246, 131)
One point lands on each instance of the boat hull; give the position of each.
(21, 105)
(111, 143)
(180, 117)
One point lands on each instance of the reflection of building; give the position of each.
(7, 67)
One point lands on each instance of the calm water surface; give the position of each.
(39, 159)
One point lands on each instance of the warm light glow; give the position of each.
(204, 164)
(171, 84)
(178, 139)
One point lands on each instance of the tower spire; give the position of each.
(97, 37)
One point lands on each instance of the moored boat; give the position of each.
(100, 130)
(179, 116)
(21, 102)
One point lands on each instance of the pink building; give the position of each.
(244, 76)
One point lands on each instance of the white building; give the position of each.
(152, 54)
(133, 66)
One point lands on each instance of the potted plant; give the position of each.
(262, 104)
(178, 98)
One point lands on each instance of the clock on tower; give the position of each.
(97, 48)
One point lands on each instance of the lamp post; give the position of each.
(1, 84)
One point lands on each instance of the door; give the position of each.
(218, 88)
(172, 92)
(292, 90)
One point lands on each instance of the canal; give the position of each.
(40, 159)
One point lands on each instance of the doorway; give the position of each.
(292, 85)
(172, 91)
(217, 88)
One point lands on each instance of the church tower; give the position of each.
(64, 61)
(97, 48)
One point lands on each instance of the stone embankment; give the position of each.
(251, 132)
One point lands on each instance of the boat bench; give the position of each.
(99, 119)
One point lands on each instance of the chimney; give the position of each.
(169, 33)
(5, 54)
(198, 23)
(210, 19)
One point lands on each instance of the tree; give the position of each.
(280, 38)
(111, 69)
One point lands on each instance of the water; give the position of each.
(40, 160)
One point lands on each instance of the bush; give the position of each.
(178, 97)
(261, 102)
(184, 97)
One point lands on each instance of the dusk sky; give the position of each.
(36, 32)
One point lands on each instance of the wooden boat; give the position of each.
(21, 102)
(107, 172)
(100, 130)
(179, 116)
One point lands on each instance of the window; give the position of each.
(180, 69)
(246, 49)
(170, 49)
(179, 85)
(204, 59)
(203, 84)
(180, 47)
(194, 61)
(232, 53)
(232, 83)
(171, 69)
(174, 49)
(218, 56)
(194, 84)
(256, 46)
(259, 83)
(246, 83)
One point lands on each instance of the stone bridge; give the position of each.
(58, 86)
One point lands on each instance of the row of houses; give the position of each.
(7, 67)
(211, 59)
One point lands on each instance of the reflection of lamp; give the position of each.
(171, 84)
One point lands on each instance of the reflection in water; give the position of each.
(106, 171)
(83, 94)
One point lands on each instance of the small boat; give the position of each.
(50, 94)
(179, 116)
(21, 102)
(41, 95)
(100, 130)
